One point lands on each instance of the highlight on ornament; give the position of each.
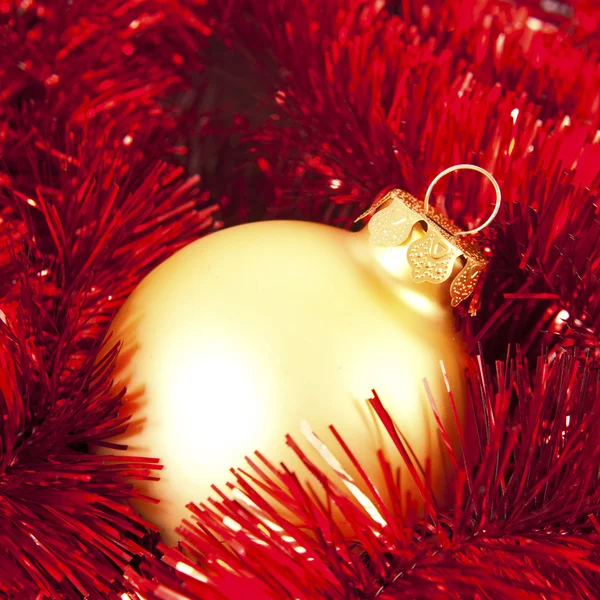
(239, 337)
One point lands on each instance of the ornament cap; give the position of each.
(433, 256)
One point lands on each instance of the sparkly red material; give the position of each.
(523, 522)
(128, 129)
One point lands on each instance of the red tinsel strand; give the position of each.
(62, 508)
(89, 109)
(113, 62)
(527, 524)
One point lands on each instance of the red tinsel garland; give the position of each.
(125, 127)
(87, 207)
(522, 525)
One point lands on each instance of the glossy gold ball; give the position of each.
(239, 337)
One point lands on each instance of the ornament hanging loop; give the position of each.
(469, 168)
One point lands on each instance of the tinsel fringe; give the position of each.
(128, 129)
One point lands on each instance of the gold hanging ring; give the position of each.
(471, 168)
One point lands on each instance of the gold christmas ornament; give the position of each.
(241, 336)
